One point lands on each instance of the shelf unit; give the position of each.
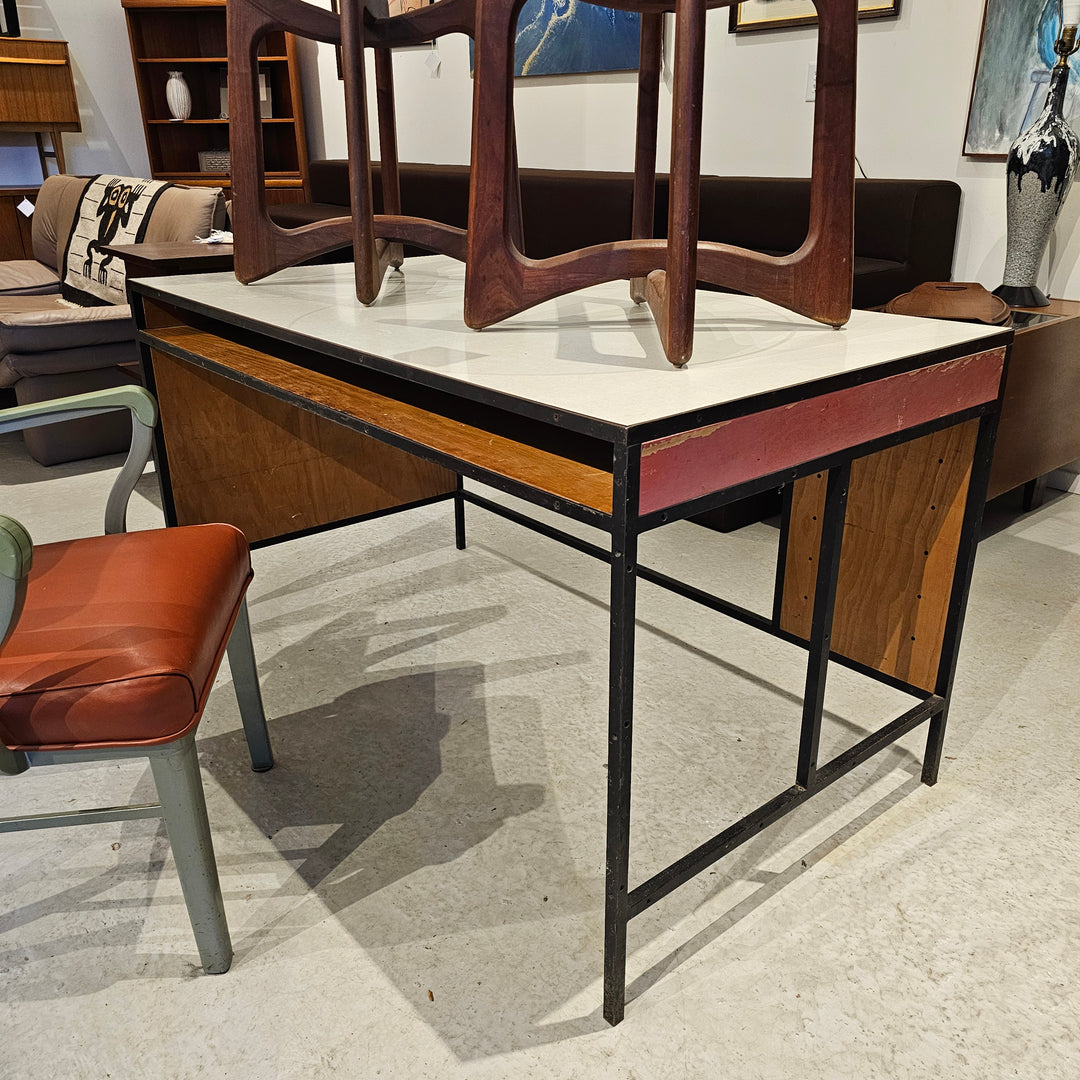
(190, 36)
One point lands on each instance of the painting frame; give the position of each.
(395, 7)
(1012, 73)
(754, 15)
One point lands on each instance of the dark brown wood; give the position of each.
(671, 292)
(1039, 429)
(16, 230)
(173, 257)
(547, 470)
(650, 63)
(500, 281)
(263, 248)
(902, 528)
(814, 281)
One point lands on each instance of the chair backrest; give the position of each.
(16, 556)
(181, 213)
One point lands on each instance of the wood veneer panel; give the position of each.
(1039, 428)
(563, 477)
(16, 233)
(241, 456)
(901, 537)
(37, 90)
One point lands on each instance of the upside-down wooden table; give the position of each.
(287, 407)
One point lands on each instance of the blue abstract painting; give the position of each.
(563, 37)
(1013, 73)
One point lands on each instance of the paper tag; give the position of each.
(434, 61)
(26, 208)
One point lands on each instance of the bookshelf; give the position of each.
(190, 36)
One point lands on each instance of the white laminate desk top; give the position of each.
(593, 352)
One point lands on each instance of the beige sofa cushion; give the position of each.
(184, 213)
(181, 213)
(54, 209)
(27, 277)
(30, 324)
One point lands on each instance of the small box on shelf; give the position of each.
(214, 161)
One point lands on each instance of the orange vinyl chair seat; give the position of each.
(120, 637)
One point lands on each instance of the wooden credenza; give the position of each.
(37, 93)
(1039, 429)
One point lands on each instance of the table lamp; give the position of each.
(1038, 174)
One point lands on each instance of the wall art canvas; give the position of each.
(569, 37)
(776, 14)
(1012, 74)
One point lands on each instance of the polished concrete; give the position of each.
(416, 889)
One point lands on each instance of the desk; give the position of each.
(37, 93)
(286, 407)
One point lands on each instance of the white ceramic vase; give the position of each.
(178, 96)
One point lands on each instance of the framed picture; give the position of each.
(578, 39)
(774, 14)
(582, 38)
(396, 7)
(9, 19)
(1012, 74)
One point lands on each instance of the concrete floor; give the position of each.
(416, 889)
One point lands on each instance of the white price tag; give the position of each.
(26, 208)
(434, 61)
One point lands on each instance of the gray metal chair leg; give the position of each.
(183, 806)
(248, 696)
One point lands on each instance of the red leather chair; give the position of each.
(109, 649)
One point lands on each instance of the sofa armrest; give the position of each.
(27, 277)
(909, 221)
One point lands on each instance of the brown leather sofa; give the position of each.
(49, 348)
(905, 230)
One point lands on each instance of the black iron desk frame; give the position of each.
(195, 354)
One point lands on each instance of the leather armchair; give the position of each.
(50, 348)
(109, 646)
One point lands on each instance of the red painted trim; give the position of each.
(678, 468)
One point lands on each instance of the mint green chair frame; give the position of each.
(175, 767)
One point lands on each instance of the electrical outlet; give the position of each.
(811, 82)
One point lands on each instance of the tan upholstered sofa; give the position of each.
(49, 349)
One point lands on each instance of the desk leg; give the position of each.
(961, 586)
(832, 536)
(459, 515)
(1034, 493)
(620, 726)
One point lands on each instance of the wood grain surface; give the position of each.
(1039, 429)
(901, 536)
(241, 456)
(489, 448)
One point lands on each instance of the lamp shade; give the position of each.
(1070, 12)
